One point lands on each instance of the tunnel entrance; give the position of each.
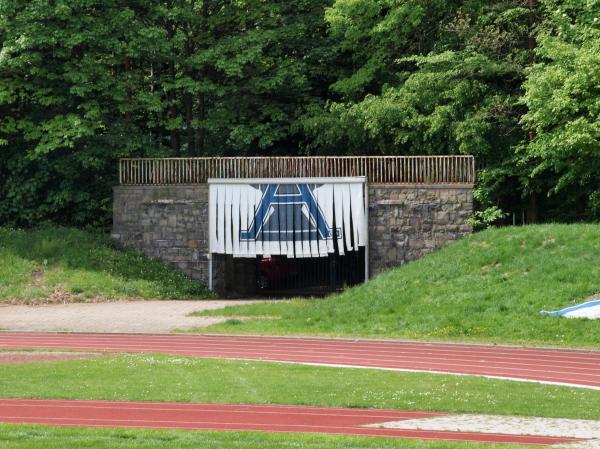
(280, 276)
(288, 237)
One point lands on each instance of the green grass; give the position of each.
(35, 437)
(76, 265)
(186, 379)
(488, 287)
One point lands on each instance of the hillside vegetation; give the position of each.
(490, 286)
(61, 264)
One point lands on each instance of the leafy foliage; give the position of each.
(452, 85)
(563, 102)
(84, 82)
(483, 219)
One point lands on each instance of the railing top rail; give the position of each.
(378, 169)
(387, 156)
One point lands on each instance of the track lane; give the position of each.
(271, 418)
(566, 367)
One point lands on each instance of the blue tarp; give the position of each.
(589, 309)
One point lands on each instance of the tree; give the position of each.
(563, 101)
(438, 77)
(84, 82)
(65, 98)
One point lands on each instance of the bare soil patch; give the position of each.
(18, 357)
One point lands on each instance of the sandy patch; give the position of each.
(509, 425)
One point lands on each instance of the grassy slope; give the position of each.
(35, 437)
(77, 265)
(488, 287)
(183, 379)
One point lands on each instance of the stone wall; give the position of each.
(405, 223)
(408, 221)
(166, 222)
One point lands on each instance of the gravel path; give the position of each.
(122, 316)
(508, 425)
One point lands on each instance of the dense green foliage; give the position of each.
(518, 272)
(60, 264)
(563, 101)
(188, 379)
(84, 82)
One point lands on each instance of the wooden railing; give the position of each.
(377, 169)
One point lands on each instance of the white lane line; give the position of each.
(143, 422)
(273, 355)
(240, 406)
(486, 352)
(541, 380)
(355, 432)
(507, 363)
(232, 410)
(548, 380)
(358, 346)
(269, 426)
(450, 373)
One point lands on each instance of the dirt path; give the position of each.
(122, 316)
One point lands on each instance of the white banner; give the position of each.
(293, 217)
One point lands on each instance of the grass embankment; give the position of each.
(34, 437)
(185, 379)
(488, 287)
(60, 264)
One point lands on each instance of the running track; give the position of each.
(564, 367)
(272, 418)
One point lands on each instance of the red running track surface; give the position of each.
(566, 367)
(271, 418)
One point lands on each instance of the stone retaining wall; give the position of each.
(405, 223)
(166, 222)
(408, 221)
